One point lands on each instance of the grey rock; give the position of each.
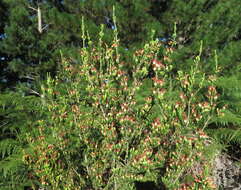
(226, 174)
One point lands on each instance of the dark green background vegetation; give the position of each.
(26, 55)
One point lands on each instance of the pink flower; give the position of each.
(158, 81)
(157, 65)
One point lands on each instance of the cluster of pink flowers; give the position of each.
(157, 65)
(159, 82)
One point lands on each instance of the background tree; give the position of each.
(216, 23)
(31, 52)
(3, 15)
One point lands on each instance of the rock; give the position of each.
(226, 174)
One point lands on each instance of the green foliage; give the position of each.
(217, 24)
(228, 123)
(227, 135)
(16, 114)
(214, 22)
(36, 53)
(104, 131)
(89, 95)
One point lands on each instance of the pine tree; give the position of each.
(215, 23)
(34, 40)
(3, 16)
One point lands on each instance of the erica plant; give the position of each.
(109, 127)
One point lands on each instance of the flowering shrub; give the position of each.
(107, 127)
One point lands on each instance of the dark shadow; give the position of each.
(149, 185)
